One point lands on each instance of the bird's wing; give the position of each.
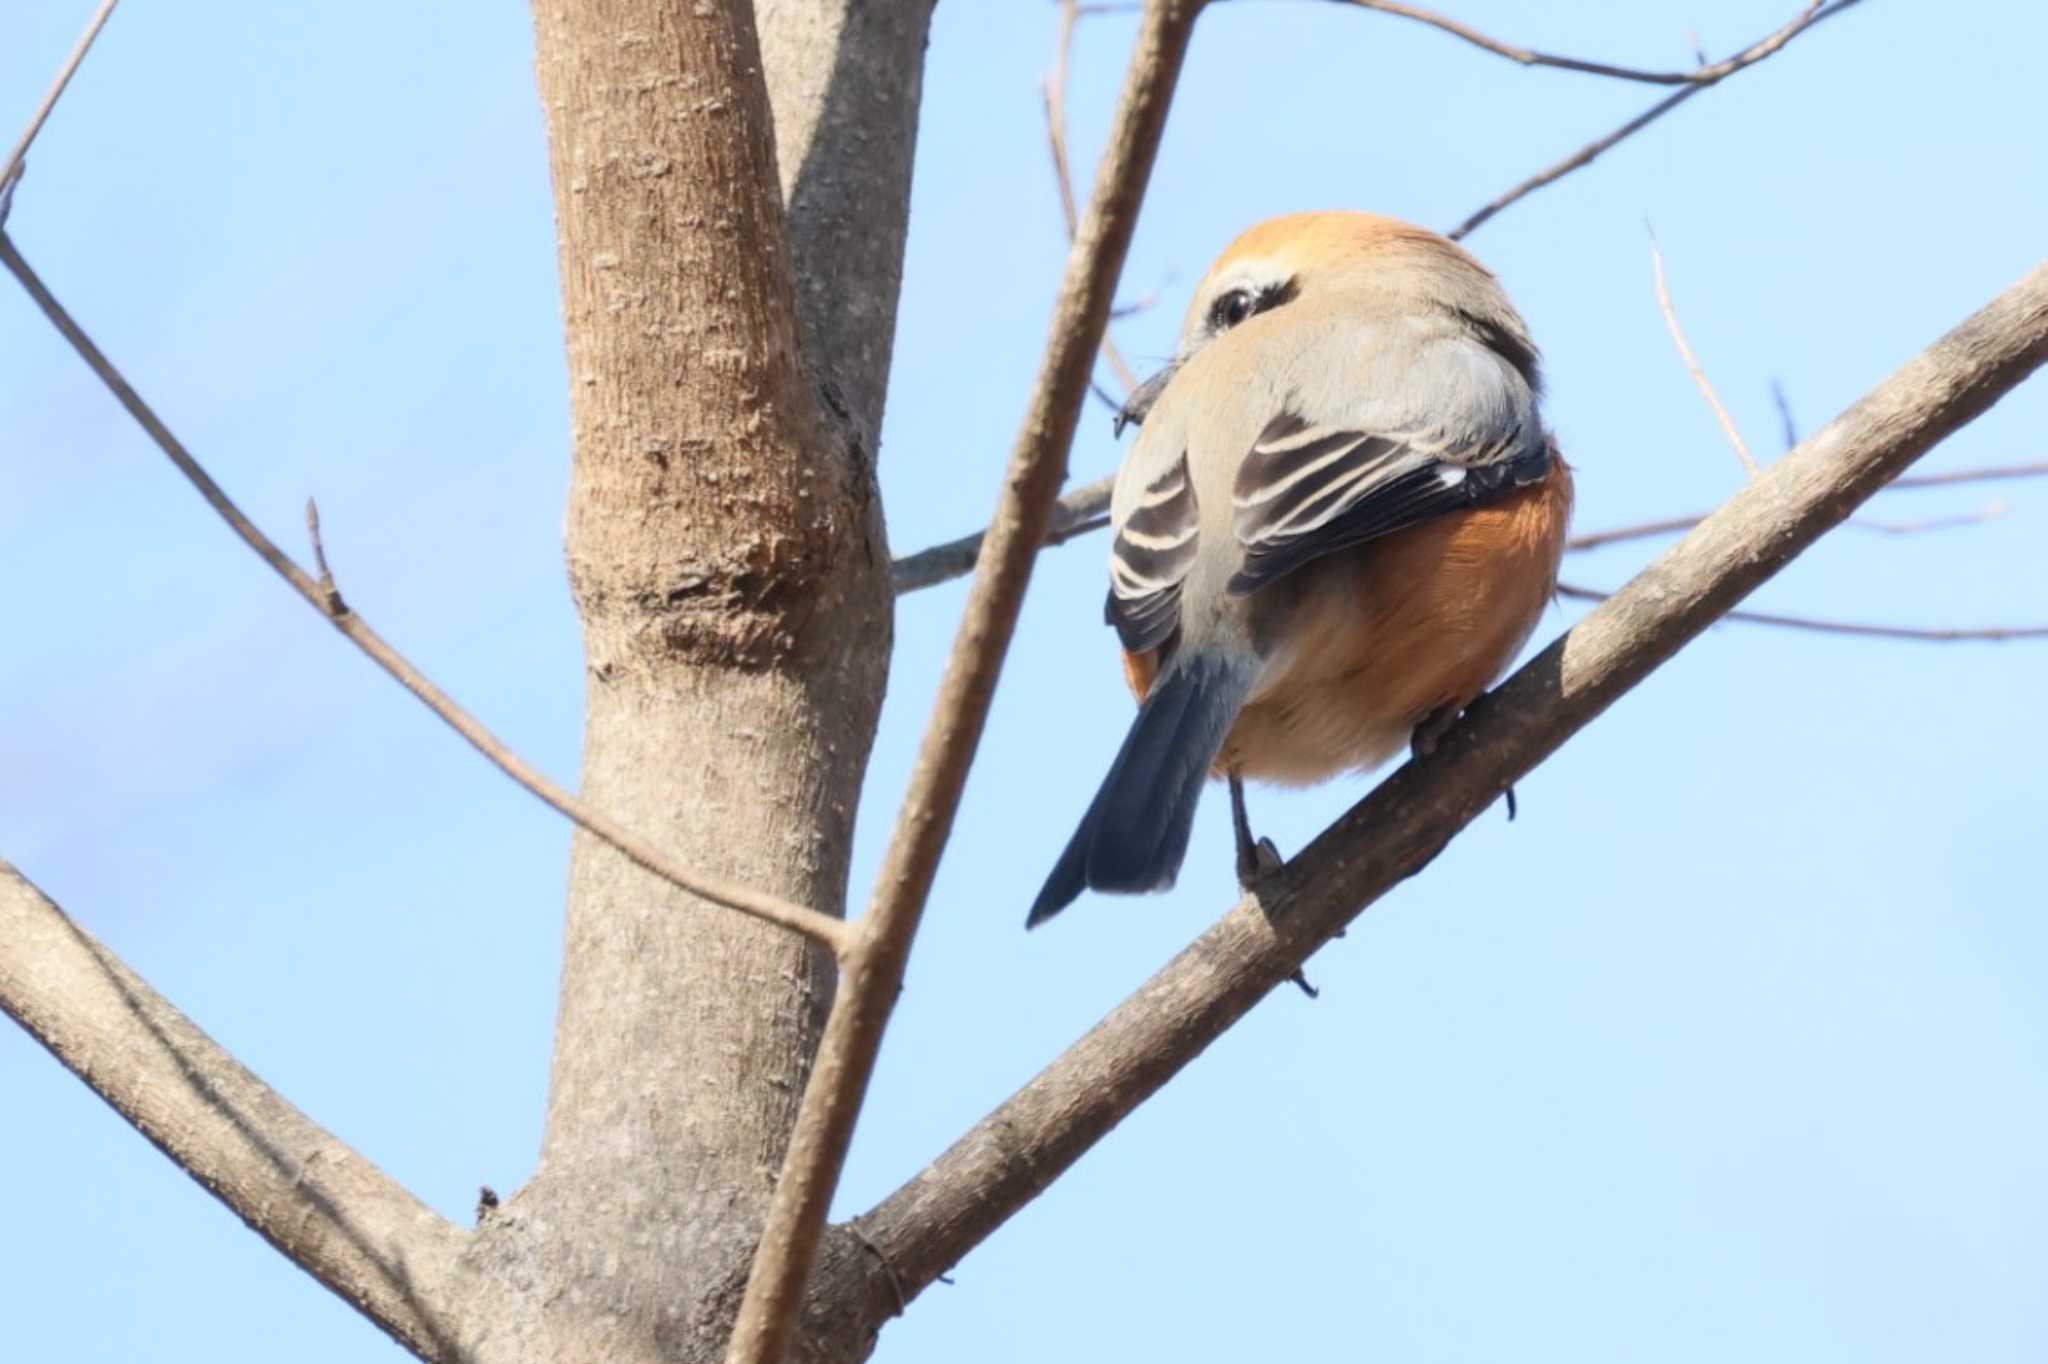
(1453, 429)
(1152, 551)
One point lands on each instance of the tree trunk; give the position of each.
(727, 555)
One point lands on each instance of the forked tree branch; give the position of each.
(1698, 76)
(330, 1211)
(1032, 1138)
(323, 598)
(873, 967)
(1586, 155)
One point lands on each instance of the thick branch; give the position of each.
(1018, 1150)
(845, 78)
(874, 968)
(329, 1210)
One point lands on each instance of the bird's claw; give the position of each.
(1256, 863)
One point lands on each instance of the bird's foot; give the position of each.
(1431, 728)
(1255, 862)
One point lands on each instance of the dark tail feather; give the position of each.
(1136, 830)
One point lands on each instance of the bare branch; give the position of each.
(1672, 525)
(1034, 1136)
(1954, 476)
(1084, 509)
(1558, 170)
(1990, 511)
(1704, 74)
(1647, 530)
(1063, 170)
(12, 166)
(329, 1210)
(874, 967)
(1585, 155)
(1918, 634)
(1786, 425)
(1692, 364)
(797, 918)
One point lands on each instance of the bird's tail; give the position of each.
(1136, 830)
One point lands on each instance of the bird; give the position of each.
(1341, 520)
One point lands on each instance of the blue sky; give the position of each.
(1731, 1047)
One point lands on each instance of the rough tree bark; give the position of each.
(727, 556)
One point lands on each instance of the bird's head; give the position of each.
(1314, 260)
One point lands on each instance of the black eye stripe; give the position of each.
(1233, 307)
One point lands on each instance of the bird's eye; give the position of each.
(1231, 309)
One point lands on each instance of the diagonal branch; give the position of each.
(12, 166)
(1983, 634)
(1062, 165)
(1084, 509)
(1585, 155)
(873, 971)
(1697, 76)
(1692, 363)
(322, 598)
(1018, 1150)
(333, 1213)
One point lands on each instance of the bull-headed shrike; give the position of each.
(1340, 522)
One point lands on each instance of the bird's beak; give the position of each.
(1142, 398)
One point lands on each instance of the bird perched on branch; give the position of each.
(1340, 522)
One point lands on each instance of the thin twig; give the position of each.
(1692, 364)
(1086, 508)
(1787, 426)
(1585, 155)
(1008, 1158)
(798, 918)
(1918, 634)
(1671, 525)
(1990, 511)
(1701, 75)
(1063, 169)
(1985, 475)
(12, 166)
(873, 971)
(330, 595)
